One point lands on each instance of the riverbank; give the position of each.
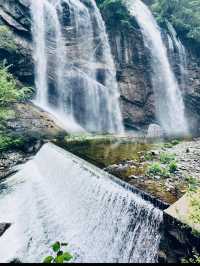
(161, 169)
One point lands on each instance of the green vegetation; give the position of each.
(171, 144)
(155, 169)
(195, 208)
(167, 165)
(167, 158)
(193, 195)
(193, 184)
(183, 14)
(6, 39)
(194, 259)
(9, 92)
(173, 167)
(59, 256)
(6, 113)
(116, 13)
(8, 141)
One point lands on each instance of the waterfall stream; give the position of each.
(75, 72)
(168, 96)
(59, 197)
(176, 47)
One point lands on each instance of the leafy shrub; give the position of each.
(155, 169)
(9, 92)
(7, 142)
(59, 256)
(173, 167)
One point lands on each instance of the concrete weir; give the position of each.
(58, 196)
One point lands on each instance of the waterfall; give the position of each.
(39, 52)
(176, 47)
(74, 69)
(59, 197)
(168, 96)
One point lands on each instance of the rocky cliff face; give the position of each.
(192, 94)
(134, 72)
(131, 57)
(15, 38)
(133, 75)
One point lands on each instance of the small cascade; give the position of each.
(168, 96)
(75, 72)
(176, 47)
(58, 196)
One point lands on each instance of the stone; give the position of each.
(155, 131)
(4, 227)
(134, 177)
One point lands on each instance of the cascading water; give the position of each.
(176, 47)
(168, 97)
(75, 72)
(58, 196)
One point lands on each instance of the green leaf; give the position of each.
(67, 256)
(48, 259)
(59, 259)
(56, 246)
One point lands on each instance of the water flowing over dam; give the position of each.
(168, 97)
(75, 75)
(59, 197)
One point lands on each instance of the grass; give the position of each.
(10, 142)
(173, 167)
(166, 165)
(167, 158)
